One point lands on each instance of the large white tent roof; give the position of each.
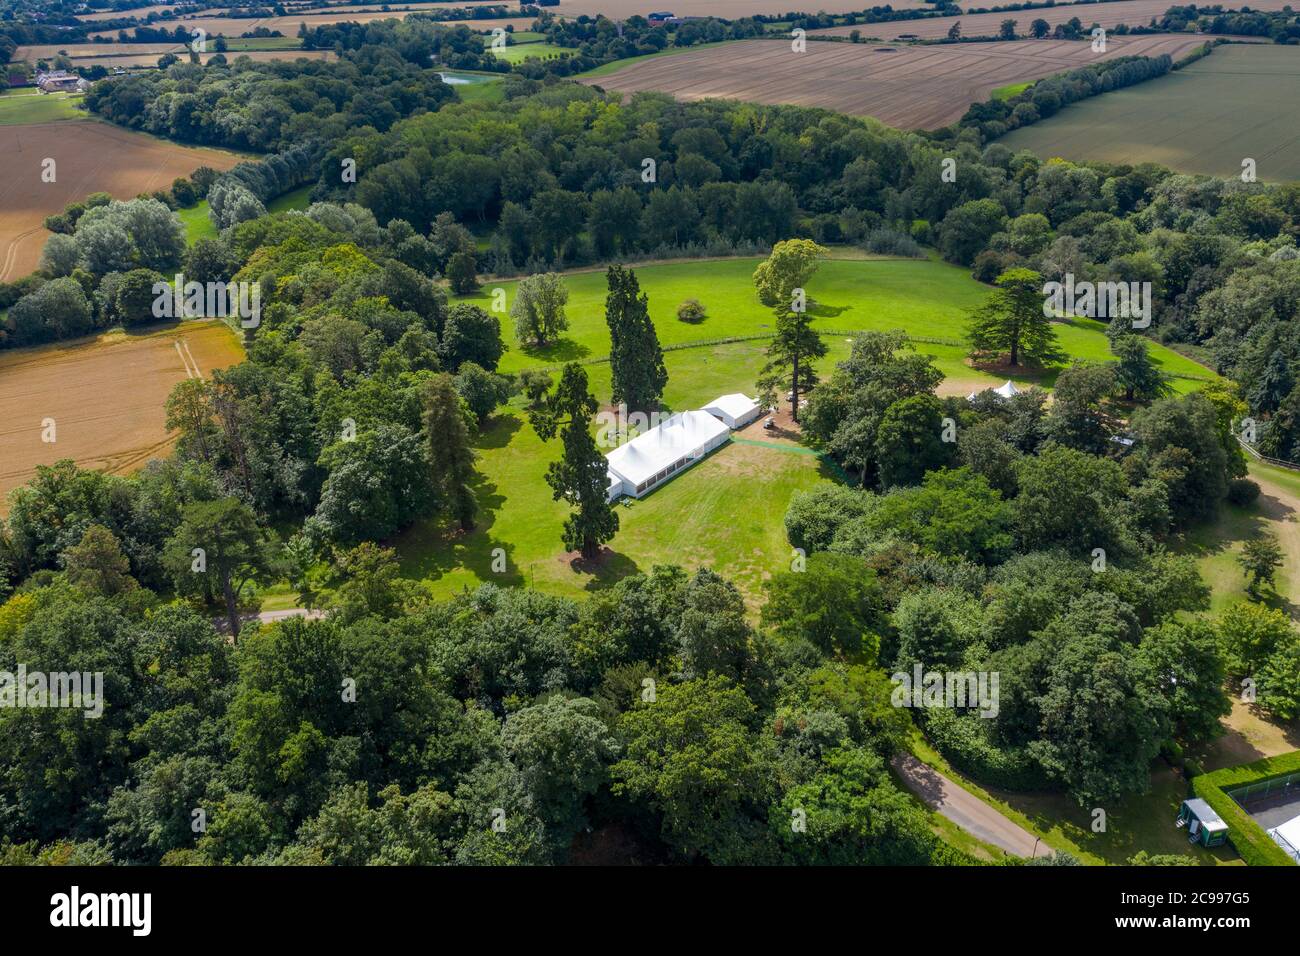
(651, 452)
(736, 405)
(1290, 832)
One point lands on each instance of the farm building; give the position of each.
(735, 410)
(656, 455)
(59, 81)
(1287, 836)
(1204, 826)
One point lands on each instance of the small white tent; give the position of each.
(736, 410)
(1003, 392)
(652, 457)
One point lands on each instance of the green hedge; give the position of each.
(1247, 837)
(964, 744)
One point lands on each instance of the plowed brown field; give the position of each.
(89, 157)
(911, 87)
(106, 396)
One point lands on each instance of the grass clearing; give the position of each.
(528, 51)
(28, 106)
(927, 298)
(1010, 90)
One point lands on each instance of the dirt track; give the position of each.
(909, 87)
(89, 157)
(106, 396)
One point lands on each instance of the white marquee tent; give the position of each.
(654, 456)
(736, 410)
(1003, 392)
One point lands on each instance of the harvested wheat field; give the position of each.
(1130, 12)
(89, 157)
(135, 60)
(89, 51)
(106, 396)
(913, 87)
(232, 27)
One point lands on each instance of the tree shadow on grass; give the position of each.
(498, 431)
(561, 350)
(436, 547)
(824, 310)
(607, 568)
(1239, 524)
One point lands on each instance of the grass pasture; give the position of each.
(1241, 101)
(19, 108)
(927, 298)
(526, 51)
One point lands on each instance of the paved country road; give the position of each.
(966, 810)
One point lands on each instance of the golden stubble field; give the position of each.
(106, 396)
(89, 156)
(910, 87)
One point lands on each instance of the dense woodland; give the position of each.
(658, 714)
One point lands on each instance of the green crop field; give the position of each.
(27, 106)
(725, 512)
(1239, 102)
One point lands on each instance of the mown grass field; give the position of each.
(1241, 101)
(926, 298)
(725, 512)
(523, 51)
(18, 108)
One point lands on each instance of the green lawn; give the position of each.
(293, 199)
(524, 51)
(20, 107)
(1011, 89)
(197, 223)
(726, 511)
(927, 298)
(489, 91)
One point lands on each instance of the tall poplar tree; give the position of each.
(580, 476)
(635, 358)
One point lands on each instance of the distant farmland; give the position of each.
(913, 87)
(106, 396)
(1131, 12)
(1238, 102)
(89, 157)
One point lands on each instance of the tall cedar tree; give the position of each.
(1013, 321)
(789, 357)
(579, 477)
(635, 358)
(449, 450)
